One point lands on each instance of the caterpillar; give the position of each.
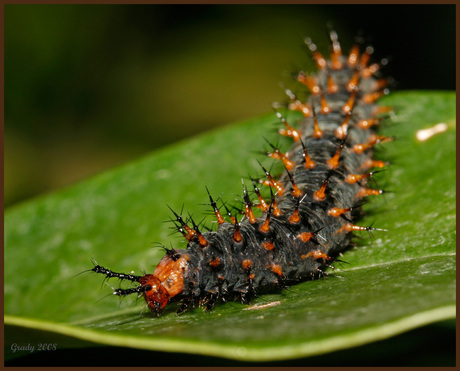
(307, 220)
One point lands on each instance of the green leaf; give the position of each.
(395, 281)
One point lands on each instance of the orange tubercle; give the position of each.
(365, 57)
(309, 163)
(269, 246)
(220, 218)
(232, 218)
(237, 237)
(361, 147)
(247, 264)
(263, 204)
(276, 210)
(289, 131)
(336, 63)
(275, 268)
(274, 184)
(337, 211)
(320, 194)
(353, 56)
(372, 141)
(372, 97)
(296, 192)
(348, 227)
(310, 82)
(265, 227)
(299, 106)
(332, 87)
(342, 130)
(369, 71)
(305, 236)
(380, 84)
(318, 254)
(353, 178)
(325, 109)
(333, 162)
(353, 83)
(317, 132)
(336, 54)
(250, 214)
(366, 124)
(295, 218)
(319, 60)
(378, 110)
(192, 233)
(214, 262)
(277, 154)
(369, 163)
(202, 241)
(364, 192)
(348, 106)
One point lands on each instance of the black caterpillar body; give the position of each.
(309, 219)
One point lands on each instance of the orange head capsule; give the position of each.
(166, 282)
(155, 295)
(158, 288)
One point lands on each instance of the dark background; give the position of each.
(89, 87)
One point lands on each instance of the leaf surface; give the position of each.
(394, 281)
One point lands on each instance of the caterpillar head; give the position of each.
(155, 294)
(166, 282)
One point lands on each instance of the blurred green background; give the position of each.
(89, 87)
